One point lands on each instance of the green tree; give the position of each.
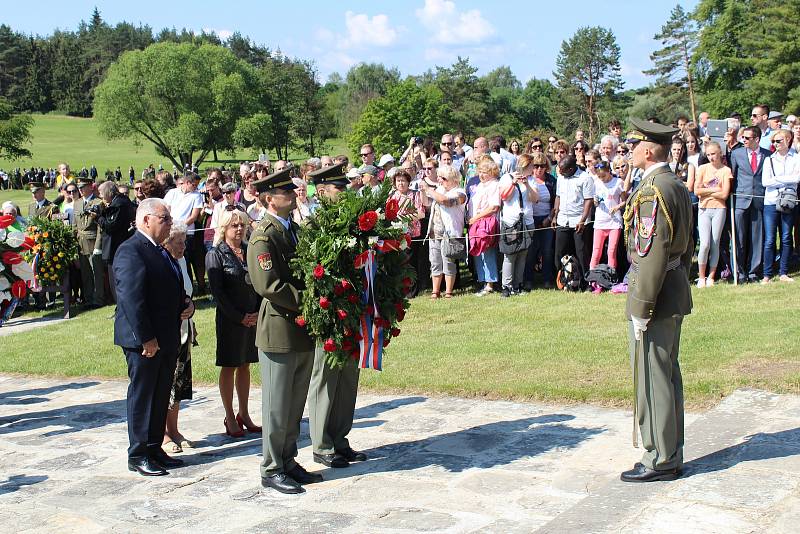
(201, 94)
(14, 132)
(406, 110)
(587, 72)
(362, 83)
(502, 116)
(672, 64)
(466, 97)
(533, 104)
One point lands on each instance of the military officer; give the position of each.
(658, 233)
(332, 395)
(90, 243)
(285, 350)
(40, 206)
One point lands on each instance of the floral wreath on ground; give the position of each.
(54, 247)
(353, 255)
(15, 273)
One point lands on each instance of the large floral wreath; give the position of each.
(15, 273)
(55, 246)
(354, 257)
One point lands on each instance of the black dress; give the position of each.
(234, 296)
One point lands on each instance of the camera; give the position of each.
(418, 140)
(95, 210)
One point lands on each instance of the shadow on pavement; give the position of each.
(15, 482)
(75, 418)
(760, 446)
(367, 412)
(33, 396)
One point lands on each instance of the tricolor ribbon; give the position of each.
(35, 283)
(371, 343)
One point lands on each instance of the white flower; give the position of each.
(397, 224)
(23, 270)
(403, 244)
(352, 242)
(373, 239)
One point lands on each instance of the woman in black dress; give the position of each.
(236, 317)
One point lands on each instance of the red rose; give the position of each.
(324, 303)
(352, 298)
(392, 208)
(367, 221)
(11, 258)
(329, 345)
(347, 345)
(399, 307)
(346, 285)
(407, 237)
(401, 315)
(407, 282)
(19, 289)
(319, 271)
(386, 341)
(338, 291)
(341, 314)
(6, 221)
(300, 321)
(395, 332)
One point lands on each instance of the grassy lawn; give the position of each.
(58, 138)
(546, 345)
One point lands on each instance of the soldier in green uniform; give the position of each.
(40, 206)
(86, 210)
(658, 233)
(333, 391)
(285, 351)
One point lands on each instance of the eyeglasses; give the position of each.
(577, 148)
(746, 138)
(551, 140)
(536, 147)
(237, 225)
(448, 144)
(72, 191)
(364, 155)
(622, 151)
(539, 166)
(228, 192)
(755, 115)
(776, 141)
(164, 218)
(428, 169)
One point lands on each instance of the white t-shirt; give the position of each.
(511, 207)
(452, 216)
(608, 195)
(541, 208)
(181, 205)
(572, 192)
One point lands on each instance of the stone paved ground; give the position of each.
(436, 465)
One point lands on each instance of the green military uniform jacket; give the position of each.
(46, 211)
(89, 236)
(660, 212)
(269, 252)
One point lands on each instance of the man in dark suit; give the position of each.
(747, 162)
(151, 305)
(116, 222)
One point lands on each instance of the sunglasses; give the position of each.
(576, 148)
(135, 189)
(746, 138)
(776, 141)
(536, 147)
(539, 166)
(428, 169)
(622, 151)
(366, 154)
(72, 191)
(755, 115)
(551, 140)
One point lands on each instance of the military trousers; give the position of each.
(284, 388)
(92, 279)
(659, 392)
(331, 403)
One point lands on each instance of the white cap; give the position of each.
(791, 118)
(386, 158)
(353, 173)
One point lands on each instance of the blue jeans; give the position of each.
(771, 216)
(486, 265)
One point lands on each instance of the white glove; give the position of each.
(97, 252)
(639, 326)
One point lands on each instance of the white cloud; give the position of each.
(223, 35)
(450, 26)
(365, 31)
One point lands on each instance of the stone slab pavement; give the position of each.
(436, 464)
(23, 324)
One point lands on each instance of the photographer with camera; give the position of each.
(116, 221)
(86, 211)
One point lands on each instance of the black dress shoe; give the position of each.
(352, 456)
(146, 466)
(300, 475)
(283, 483)
(331, 460)
(167, 461)
(640, 473)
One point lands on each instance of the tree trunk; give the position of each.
(689, 81)
(215, 155)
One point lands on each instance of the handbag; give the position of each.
(787, 197)
(454, 248)
(516, 237)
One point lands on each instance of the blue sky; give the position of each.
(413, 36)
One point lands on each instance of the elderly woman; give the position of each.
(781, 173)
(305, 204)
(236, 317)
(174, 441)
(712, 185)
(411, 203)
(485, 204)
(446, 221)
(519, 197)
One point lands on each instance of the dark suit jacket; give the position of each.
(150, 296)
(746, 182)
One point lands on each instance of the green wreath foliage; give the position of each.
(329, 248)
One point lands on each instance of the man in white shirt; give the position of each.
(185, 203)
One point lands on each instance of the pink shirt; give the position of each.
(486, 195)
(411, 203)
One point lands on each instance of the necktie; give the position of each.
(753, 161)
(168, 259)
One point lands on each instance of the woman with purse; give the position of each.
(516, 223)
(780, 177)
(446, 229)
(484, 226)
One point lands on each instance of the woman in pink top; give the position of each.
(712, 185)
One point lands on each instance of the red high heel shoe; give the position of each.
(239, 434)
(252, 429)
